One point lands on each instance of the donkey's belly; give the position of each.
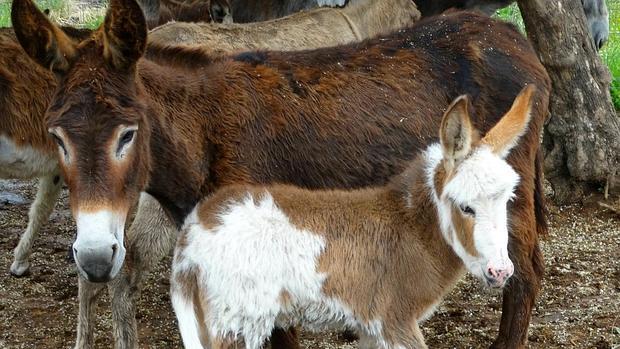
(23, 161)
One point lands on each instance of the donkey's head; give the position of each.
(98, 120)
(472, 184)
(597, 17)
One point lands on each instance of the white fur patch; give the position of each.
(97, 232)
(246, 265)
(24, 161)
(484, 182)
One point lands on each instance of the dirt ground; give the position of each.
(579, 306)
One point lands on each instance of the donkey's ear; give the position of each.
(506, 133)
(44, 42)
(124, 32)
(456, 130)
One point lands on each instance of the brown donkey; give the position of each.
(21, 124)
(376, 260)
(26, 151)
(185, 123)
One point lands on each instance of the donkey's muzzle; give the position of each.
(98, 248)
(96, 264)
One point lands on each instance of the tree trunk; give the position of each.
(582, 137)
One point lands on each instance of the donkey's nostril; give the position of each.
(114, 250)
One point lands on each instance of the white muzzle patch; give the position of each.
(98, 249)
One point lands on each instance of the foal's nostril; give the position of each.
(491, 272)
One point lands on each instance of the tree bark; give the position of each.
(582, 137)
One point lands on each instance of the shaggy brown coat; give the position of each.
(345, 117)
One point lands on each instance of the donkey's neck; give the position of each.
(180, 152)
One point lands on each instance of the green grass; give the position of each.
(611, 52)
(64, 12)
(513, 15)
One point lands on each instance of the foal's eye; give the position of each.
(468, 210)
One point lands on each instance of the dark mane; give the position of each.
(179, 56)
(423, 34)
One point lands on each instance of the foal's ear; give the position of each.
(124, 33)
(506, 133)
(456, 130)
(44, 42)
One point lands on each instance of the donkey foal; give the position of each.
(375, 260)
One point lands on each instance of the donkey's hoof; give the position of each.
(20, 269)
(348, 336)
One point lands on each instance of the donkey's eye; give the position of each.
(126, 138)
(468, 210)
(59, 142)
(123, 142)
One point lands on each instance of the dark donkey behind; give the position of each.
(180, 123)
(597, 16)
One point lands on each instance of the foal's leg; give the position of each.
(150, 237)
(88, 293)
(40, 210)
(405, 338)
(367, 342)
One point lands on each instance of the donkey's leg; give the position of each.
(88, 293)
(284, 339)
(40, 210)
(150, 238)
(520, 292)
(122, 298)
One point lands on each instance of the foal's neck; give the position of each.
(421, 218)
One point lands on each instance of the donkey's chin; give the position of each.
(494, 284)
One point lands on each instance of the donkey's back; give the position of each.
(374, 102)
